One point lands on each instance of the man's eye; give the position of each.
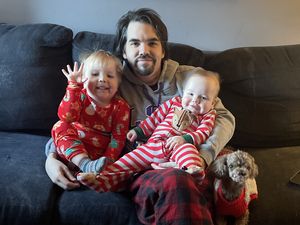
(134, 43)
(110, 75)
(152, 43)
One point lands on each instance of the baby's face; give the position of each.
(102, 81)
(199, 95)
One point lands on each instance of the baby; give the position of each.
(175, 129)
(94, 120)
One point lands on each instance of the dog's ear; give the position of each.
(254, 168)
(219, 167)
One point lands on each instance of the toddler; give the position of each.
(94, 120)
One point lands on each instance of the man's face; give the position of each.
(143, 50)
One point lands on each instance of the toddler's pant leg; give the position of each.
(66, 140)
(135, 161)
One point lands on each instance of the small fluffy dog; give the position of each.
(234, 186)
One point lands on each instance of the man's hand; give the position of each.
(60, 174)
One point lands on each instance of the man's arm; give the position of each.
(221, 134)
(57, 171)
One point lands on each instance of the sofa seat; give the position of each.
(25, 190)
(28, 195)
(278, 200)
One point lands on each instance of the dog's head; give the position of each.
(238, 165)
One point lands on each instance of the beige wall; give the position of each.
(206, 24)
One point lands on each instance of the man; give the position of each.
(168, 196)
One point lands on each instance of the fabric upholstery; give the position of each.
(89, 207)
(85, 42)
(28, 195)
(31, 81)
(26, 192)
(278, 199)
(261, 87)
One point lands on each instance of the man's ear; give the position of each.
(124, 55)
(163, 54)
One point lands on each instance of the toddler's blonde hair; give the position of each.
(102, 57)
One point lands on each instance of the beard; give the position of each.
(144, 69)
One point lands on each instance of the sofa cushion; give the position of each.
(88, 41)
(261, 87)
(31, 81)
(28, 196)
(27, 193)
(278, 199)
(89, 207)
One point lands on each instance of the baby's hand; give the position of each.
(173, 141)
(74, 75)
(131, 135)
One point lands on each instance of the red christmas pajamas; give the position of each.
(85, 127)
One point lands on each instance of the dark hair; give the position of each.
(144, 15)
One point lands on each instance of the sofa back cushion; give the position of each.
(31, 81)
(88, 41)
(261, 87)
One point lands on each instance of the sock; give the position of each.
(90, 166)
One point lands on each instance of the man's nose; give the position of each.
(144, 49)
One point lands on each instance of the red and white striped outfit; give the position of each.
(159, 124)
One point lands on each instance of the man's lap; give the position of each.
(172, 196)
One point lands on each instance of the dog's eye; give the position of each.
(230, 166)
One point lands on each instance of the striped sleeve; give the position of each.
(204, 130)
(150, 123)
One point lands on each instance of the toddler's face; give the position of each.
(199, 95)
(102, 81)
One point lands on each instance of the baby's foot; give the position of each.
(92, 181)
(197, 172)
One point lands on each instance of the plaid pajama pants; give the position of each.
(172, 197)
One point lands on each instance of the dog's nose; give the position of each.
(242, 173)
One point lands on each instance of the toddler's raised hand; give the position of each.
(74, 75)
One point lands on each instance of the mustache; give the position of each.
(145, 56)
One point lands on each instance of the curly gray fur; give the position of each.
(234, 169)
